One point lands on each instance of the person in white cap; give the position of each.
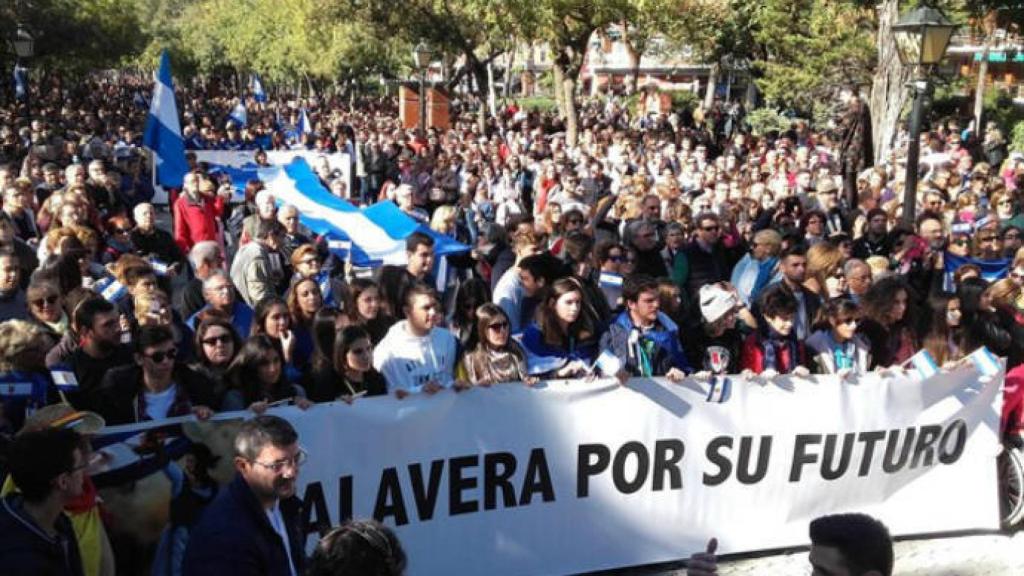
(717, 343)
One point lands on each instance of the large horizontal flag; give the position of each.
(991, 270)
(376, 235)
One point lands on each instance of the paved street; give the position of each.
(976, 555)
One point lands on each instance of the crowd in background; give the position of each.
(659, 245)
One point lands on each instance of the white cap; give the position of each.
(716, 302)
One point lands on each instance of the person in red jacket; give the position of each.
(774, 348)
(197, 213)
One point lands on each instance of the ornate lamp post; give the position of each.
(422, 56)
(922, 36)
(24, 49)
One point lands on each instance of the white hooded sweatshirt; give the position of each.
(408, 362)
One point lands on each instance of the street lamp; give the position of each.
(24, 48)
(422, 55)
(922, 36)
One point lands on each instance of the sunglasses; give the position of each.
(498, 326)
(990, 239)
(159, 357)
(615, 258)
(960, 242)
(51, 300)
(122, 230)
(215, 340)
(710, 228)
(849, 321)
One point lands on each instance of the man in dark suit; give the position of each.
(253, 527)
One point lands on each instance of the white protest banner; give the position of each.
(577, 476)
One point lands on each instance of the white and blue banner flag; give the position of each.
(376, 233)
(304, 127)
(991, 270)
(163, 130)
(239, 115)
(258, 94)
(20, 83)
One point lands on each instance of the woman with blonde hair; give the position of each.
(825, 270)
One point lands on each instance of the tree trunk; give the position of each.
(559, 77)
(571, 119)
(979, 93)
(491, 97)
(508, 71)
(888, 87)
(709, 94)
(480, 76)
(634, 67)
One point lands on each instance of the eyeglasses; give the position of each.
(990, 239)
(498, 326)
(159, 357)
(279, 466)
(122, 230)
(616, 258)
(710, 228)
(1011, 237)
(960, 242)
(51, 300)
(215, 340)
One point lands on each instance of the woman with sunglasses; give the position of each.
(256, 379)
(216, 343)
(347, 372)
(156, 387)
(45, 305)
(836, 348)
(496, 357)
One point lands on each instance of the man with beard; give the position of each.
(90, 349)
(253, 528)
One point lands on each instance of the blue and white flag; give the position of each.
(140, 100)
(368, 237)
(20, 83)
(111, 290)
(985, 361)
(304, 127)
(991, 270)
(239, 114)
(257, 89)
(924, 364)
(163, 130)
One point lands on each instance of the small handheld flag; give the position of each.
(239, 114)
(64, 378)
(985, 361)
(304, 126)
(924, 364)
(258, 94)
(111, 290)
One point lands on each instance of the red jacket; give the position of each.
(196, 222)
(753, 356)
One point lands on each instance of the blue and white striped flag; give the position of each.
(20, 83)
(985, 361)
(140, 100)
(257, 89)
(163, 130)
(111, 290)
(239, 114)
(924, 364)
(304, 126)
(367, 237)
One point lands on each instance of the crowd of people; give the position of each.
(663, 245)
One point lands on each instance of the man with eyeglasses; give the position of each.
(156, 386)
(709, 260)
(219, 293)
(48, 466)
(254, 527)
